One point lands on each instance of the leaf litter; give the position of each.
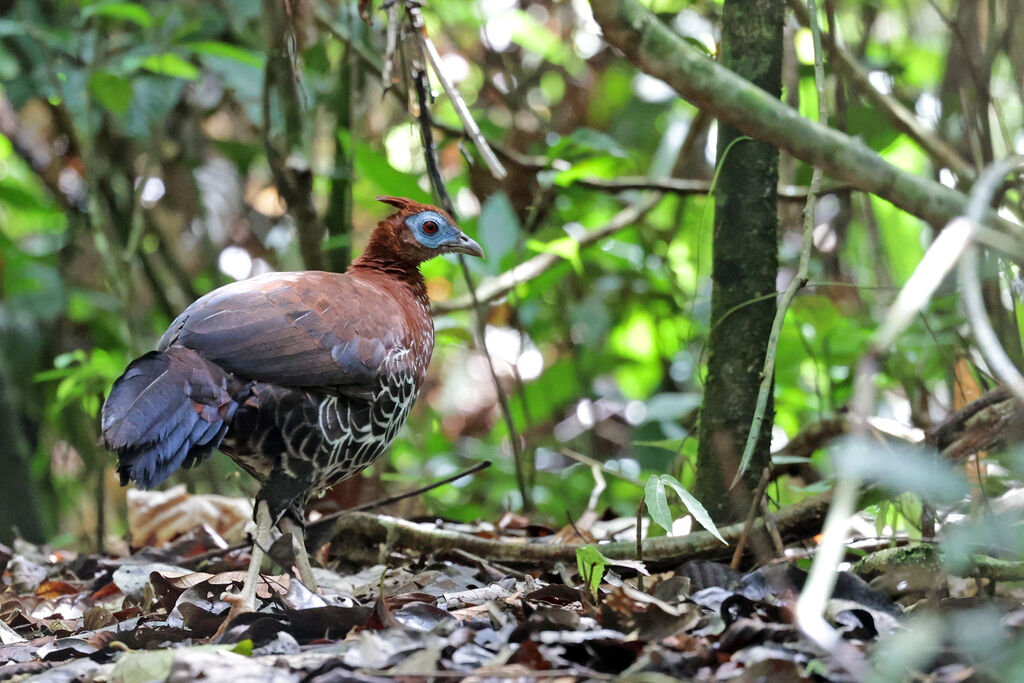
(152, 615)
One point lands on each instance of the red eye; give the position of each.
(430, 227)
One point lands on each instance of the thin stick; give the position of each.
(755, 504)
(434, 172)
(494, 288)
(380, 502)
(772, 527)
(473, 130)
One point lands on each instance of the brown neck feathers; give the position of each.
(384, 254)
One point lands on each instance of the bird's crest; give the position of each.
(407, 207)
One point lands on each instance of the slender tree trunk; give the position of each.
(744, 268)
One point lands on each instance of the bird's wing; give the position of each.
(321, 330)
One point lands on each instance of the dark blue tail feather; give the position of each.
(169, 409)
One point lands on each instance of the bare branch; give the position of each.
(900, 116)
(662, 53)
(497, 287)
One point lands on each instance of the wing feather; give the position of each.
(323, 330)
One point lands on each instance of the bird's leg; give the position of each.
(245, 600)
(301, 556)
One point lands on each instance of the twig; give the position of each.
(492, 565)
(381, 502)
(755, 505)
(773, 529)
(494, 288)
(592, 463)
(472, 130)
(434, 172)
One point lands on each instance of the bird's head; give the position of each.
(418, 232)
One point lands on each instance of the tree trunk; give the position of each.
(744, 269)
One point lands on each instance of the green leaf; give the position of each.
(693, 506)
(591, 565)
(170, 64)
(123, 11)
(18, 198)
(566, 247)
(139, 667)
(113, 92)
(672, 445)
(498, 229)
(657, 503)
(215, 48)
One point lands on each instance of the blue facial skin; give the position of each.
(446, 233)
(445, 238)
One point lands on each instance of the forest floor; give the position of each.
(447, 615)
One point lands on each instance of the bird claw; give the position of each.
(240, 604)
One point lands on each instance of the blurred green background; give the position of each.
(135, 176)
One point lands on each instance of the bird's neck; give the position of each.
(406, 274)
(382, 255)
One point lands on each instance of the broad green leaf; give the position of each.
(170, 64)
(566, 247)
(113, 92)
(215, 48)
(591, 565)
(123, 11)
(498, 229)
(694, 506)
(657, 503)
(18, 198)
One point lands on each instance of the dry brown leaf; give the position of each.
(157, 517)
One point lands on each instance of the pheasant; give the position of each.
(302, 378)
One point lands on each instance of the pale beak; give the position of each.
(463, 244)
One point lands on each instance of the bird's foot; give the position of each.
(242, 602)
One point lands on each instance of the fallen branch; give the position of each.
(363, 534)
(993, 421)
